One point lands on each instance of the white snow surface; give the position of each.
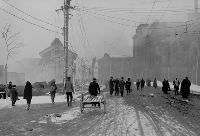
(40, 99)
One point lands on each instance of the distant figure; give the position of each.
(148, 82)
(121, 86)
(14, 95)
(116, 87)
(94, 89)
(163, 84)
(128, 86)
(155, 83)
(68, 89)
(176, 84)
(9, 88)
(166, 86)
(185, 87)
(111, 86)
(138, 84)
(53, 89)
(28, 93)
(142, 82)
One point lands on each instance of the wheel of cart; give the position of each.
(104, 102)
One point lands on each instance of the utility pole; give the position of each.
(168, 73)
(197, 62)
(65, 10)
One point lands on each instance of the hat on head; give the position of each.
(94, 79)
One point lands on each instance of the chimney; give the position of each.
(196, 6)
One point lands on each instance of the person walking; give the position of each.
(14, 94)
(166, 86)
(138, 84)
(53, 89)
(142, 82)
(148, 82)
(128, 86)
(68, 90)
(9, 88)
(111, 86)
(121, 86)
(117, 87)
(28, 93)
(185, 87)
(176, 84)
(94, 89)
(155, 83)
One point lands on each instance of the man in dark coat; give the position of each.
(94, 89)
(138, 84)
(117, 87)
(166, 86)
(111, 86)
(142, 84)
(28, 93)
(128, 86)
(121, 86)
(13, 94)
(185, 87)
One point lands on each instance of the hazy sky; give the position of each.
(98, 26)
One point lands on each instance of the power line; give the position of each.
(162, 15)
(30, 15)
(28, 21)
(129, 20)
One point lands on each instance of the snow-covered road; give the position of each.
(119, 120)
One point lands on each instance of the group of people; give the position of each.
(184, 87)
(118, 86)
(12, 92)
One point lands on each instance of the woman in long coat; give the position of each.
(53, 89)
(13, 95)
(28, 93)
(185, 87)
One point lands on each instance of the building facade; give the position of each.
(53, 61)
(115, 66)
(161, 51)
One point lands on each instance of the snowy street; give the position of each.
(143, 113)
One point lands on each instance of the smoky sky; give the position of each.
(98, 27)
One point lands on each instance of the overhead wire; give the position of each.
(30, 15)
(28, 21)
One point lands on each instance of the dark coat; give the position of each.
(13, 94)
(155, 83)
(94, 88)
(142, 82)
(138, 83)
(53, 89)
(185, 88)
(128, 84)
(111, 84)
(166, 86)
(117, 85)
(28, 91)
(122, 84)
